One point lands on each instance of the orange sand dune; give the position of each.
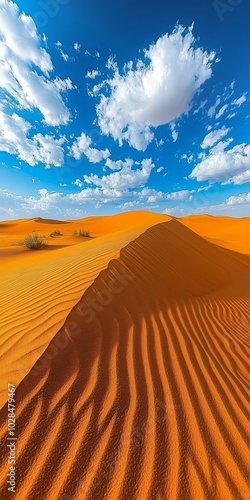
(12, 232)
(142, 394)
(38, 289)
(223, 231)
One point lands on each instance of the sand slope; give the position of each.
(38, 289)
(142, 394)
(13, 232)
(228, 232)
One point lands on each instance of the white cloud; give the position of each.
(44, 38)
(82, 145)
(126, 178)
(119, 164)
(14, 139)
(203, 188)
(77, 47)
(20, 54)
(174, 132)
(213, 137)
(212, 110)
(221, 111)
(201, 106)
(64, 56)
(93, 74)
(241, 178)
(240, 101)
(175, 211)
(152, 195)
(229, 166)
(97, 155)
(131, 204)
(96, 54)
(156, 93)
(159, 143)
(56, 204)
(232, 115)
(180, 195)
(221, 146)
(238, 200)
(189, 157)
(112, 64)
(160, 169)
(47, 199)
(78, 183)
(63, 85)
(234, 206)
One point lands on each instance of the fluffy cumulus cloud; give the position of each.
(15, 140)
(119, 164)
(82, 146)
(47, 200)
(12, 205)
(230, 166)
(25, 67)
(128, 177)
(53, 203)
(157, 91)
(240, 199)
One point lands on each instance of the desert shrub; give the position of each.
(81, 233)
(55, 233)
(34, 241)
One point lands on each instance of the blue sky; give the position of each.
(108, 106)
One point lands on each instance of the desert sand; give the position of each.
(130, 353)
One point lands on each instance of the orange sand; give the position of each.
(227, 232)
(130, 352)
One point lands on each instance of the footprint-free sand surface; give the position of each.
(130, 354)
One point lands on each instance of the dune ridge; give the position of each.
(151, 401)
(39, 289)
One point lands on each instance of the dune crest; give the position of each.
(147, 396)
(38, 289)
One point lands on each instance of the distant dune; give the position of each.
(130, 351)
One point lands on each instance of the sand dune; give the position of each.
(139, 391)
(228, 232)
(39, 289)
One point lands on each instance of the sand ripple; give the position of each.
(148, 400)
